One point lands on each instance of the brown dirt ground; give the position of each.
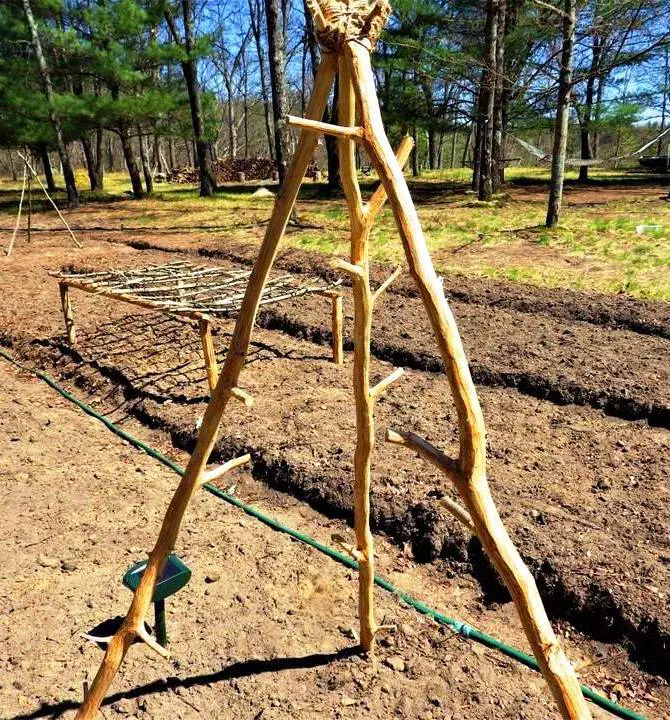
(578, 195)
(616, 311)
(270, 639)
(584, 495)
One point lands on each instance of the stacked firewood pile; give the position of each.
(232, 170)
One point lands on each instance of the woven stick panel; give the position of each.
(184, 288)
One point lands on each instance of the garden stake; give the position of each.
(18, 215)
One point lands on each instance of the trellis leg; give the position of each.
(68, 313)
(365, 434)
(211, 366)
(470, 468)
(18, 215)
(30, 205)
(337, 329)
(49, 198)
(133, 625)
(360, 218)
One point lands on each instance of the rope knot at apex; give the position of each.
(339, 21)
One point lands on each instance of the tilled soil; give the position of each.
(624, 373)
(266, 628)
(614, 311)
(583, 495)
(621, 371)
(579, 492)
(606, 352)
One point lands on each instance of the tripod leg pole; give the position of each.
(235, 358)
(471, 464)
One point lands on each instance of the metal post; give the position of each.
(161, 629)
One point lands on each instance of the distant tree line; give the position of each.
(152, 84)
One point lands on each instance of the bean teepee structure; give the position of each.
(347, 32)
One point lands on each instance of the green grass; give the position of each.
(596, 248)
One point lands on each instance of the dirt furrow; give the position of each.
(584, 496)
(646, 317)
(624, 374)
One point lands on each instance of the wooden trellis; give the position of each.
(29, 173)
(203, 293)
(347, 32)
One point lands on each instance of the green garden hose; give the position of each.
(457, 626)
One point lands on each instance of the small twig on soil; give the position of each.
(479, 238)
(189, 703)
(600, 661)
(37, 542)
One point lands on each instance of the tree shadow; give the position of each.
(246, 668)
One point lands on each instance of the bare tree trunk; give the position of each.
(245, 98)
(110, 153)
(159, 157)
(277, 53)
(596, 116)
(585, 130)
(487, 105)
(330, 114)
(68, 174)
(99, 158)
(90, 161)
(144, 157)
(232, 124)
(476, 128)
(498, 149)
(562, 115)
(171, 153)
(433, 149)
(189, 69)
(416, 169)
(171, 158)
(133, 172)
(46, 164)
(12, 169)
(666, 83)
(127, 148)
(255, 19)
(466, 146)
(311, 41)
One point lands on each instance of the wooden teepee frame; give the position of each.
(29, 173)
(348, 31)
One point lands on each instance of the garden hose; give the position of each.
(459, 627)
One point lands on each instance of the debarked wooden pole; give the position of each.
(471, 463)
(205, 328)
(133, 625)
(337, 322)
(68, 313)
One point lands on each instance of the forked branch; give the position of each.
(354, 270)
(386, 284)
(427, 450)
(151, 642)
(473, 485)
(243, 396)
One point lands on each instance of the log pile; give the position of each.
(232, 170)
